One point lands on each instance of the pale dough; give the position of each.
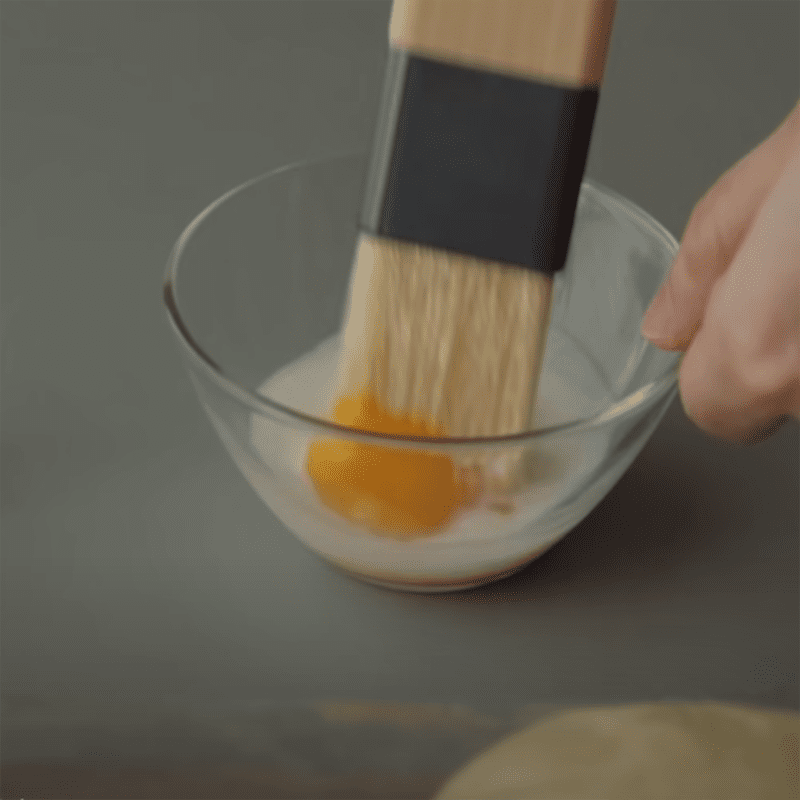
(674, 751)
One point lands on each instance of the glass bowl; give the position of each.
(255, 291)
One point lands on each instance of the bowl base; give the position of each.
(434, 586)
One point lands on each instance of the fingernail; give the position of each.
(656, 321)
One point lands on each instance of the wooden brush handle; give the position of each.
(561, 41)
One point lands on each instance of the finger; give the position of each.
(714, 233)
(741, 374)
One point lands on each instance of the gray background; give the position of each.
(139, 571)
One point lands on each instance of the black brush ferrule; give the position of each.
(476, 162)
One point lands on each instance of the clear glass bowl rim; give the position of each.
(624, 408)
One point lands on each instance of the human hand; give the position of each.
(732, 299)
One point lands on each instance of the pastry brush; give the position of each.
(480, 149)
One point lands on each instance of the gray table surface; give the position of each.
(141, 573)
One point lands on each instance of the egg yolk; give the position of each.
(393, 489)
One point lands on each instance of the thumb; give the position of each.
(716, 229)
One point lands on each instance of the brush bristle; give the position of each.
(455, 340)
